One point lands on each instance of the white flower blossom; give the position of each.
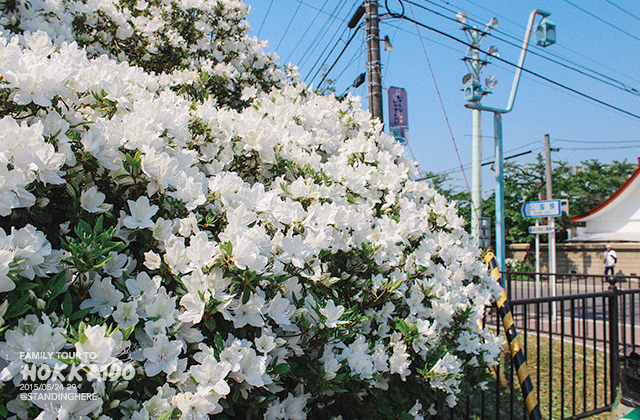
(92, 201)
(141, 213)
(162, 356)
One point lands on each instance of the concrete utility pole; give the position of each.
(476, 152)
(373, 59)
(474, 94)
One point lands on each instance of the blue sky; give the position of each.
(598, 37)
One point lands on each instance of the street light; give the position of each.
(474, 94)
(545, 35)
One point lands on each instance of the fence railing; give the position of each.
(525, 284)
(574, 343)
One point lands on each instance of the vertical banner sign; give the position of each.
(398, 114)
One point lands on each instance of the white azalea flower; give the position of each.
(141, 213)
(104, 297)
(162, 356)
(125, 314)
(92, 201)
(210, 376)
(97, 349)
(332, 314)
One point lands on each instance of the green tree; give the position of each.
(585, 186)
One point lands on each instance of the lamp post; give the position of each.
(545, 35)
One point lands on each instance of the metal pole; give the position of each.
(373, 60)
(499, 193)
(476, 179)
(537, 260)
(552, 234)
(614, 346)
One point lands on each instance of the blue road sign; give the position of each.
(547, 208)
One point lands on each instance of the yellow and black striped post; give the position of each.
(517, 355)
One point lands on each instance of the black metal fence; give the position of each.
(525, 285)
(574, 338)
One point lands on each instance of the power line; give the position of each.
(602, 20)
(623, 10)
(265, 17)
(546, 51)
(331, 17)
(289, 26)
(577, 92)
(611, 82)
(356, 55)
(600, 148)
(558, 84)
(335, 45)
(599, 141)
(308, 27)
(336, 61)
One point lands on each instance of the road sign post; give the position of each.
(538, 209)
(546, 208)
(538, 229)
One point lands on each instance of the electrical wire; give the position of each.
(623, 10)
(356, 55)
(335, 45)
(610, 81)
(265, 17)
(535, 47)
(322, 32)
(474, 210)
(484, 163)
(289, 25)
(577, 92)
(599, 141)
(308, 28)
(603, 20)
(336, 61)
(600, 148)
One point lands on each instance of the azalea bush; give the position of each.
(188, 231)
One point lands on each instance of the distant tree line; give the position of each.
(585, 186)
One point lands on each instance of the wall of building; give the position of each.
(582, 258)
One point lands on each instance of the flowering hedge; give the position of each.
(188, 231)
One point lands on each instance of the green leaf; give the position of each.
(167, 416)
(246, 295)
(23, 285)
(281, 369)
(56, 286)
(219, 342)
(210, 323)
(80, 314)
(126, 333)
(67, 305)
(19, 307)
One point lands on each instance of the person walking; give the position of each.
(610, 260)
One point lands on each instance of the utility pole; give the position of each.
(545, 35)
(474, 94)
(476, 152)
(373, 59)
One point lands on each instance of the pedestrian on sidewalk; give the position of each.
(610, 260)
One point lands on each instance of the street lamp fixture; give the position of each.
(545, 33)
